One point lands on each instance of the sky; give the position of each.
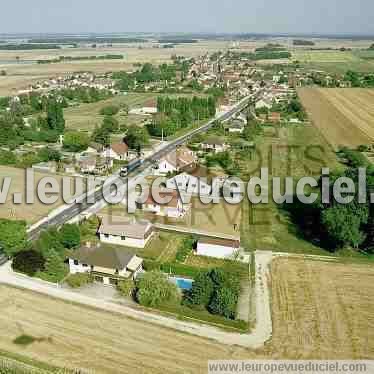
(218, 16)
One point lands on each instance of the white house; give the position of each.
(236, 126)
(264, 103)
(122, 231)
(118, 151)
(218, 248)
(214, 144)
(108, 265)
(172, 207)
(188, 184)
(174, 161)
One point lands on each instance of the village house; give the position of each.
(235, 126)
(45, 167)
(123, 231)
(107, 265)
(172, 207)
(264, 103)
(174, 161)
(95, 148)
(218, 248)
(188, 184)
(214, 144)
(118, 151)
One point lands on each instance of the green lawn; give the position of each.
(86, 116)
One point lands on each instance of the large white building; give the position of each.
(189, 184)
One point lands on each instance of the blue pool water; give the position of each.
(182, 283)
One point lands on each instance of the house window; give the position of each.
(76, 262)
(85, 265)
(180, 184)
(194, 185)
(123, 237)
(113, 281)
(116, 272)
(106, 236)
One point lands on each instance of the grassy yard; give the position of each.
(220, 218)
(86, 116)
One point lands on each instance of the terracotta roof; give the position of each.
(122, 226)
(120, 148)
(180, 157)
(173, 194)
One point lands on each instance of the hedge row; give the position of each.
(172, 268)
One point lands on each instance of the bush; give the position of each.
(78, 280)
(154, 289)
(110, 110)
(126, 288)
(28, 262)
(185, 249)
(70, 236)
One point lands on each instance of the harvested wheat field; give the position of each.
(320, 310)
(345, 116)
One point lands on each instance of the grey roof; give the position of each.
(122, 226)
(106, 257)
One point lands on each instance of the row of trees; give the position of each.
(216, 290)
(177, 113)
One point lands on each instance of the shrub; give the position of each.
(70, 236)
(28, 262)
(126, 288)
(78, 280)
(154, 289)
(110, 110)
(185, 249)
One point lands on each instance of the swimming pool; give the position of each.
(182, 283)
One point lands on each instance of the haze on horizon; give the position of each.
(221, 16)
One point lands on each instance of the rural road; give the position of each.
(255, 339)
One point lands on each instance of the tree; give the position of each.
(49, 154)
(109, 110)
(75, 141)
(48, 241)
(55, 269)
(70, 236)
(13, 236)
(101, 135)
(154, 289)
(202, 289)
(55, 116)
(136, 137)
(344, 225)
(28, 262)
(224, 303)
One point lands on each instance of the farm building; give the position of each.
(218, 248)
(214, 144)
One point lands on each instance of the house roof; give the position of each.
(180, 157)
(221, 242)
(173, 194)
(122, 226)
(120, 148)
(107, 257)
